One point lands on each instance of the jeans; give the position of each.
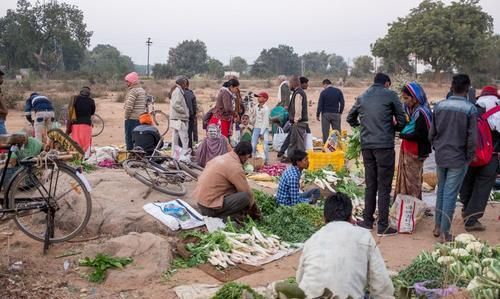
(379, 170)
(312, 194)
(330, 120)
(130, 125)
(257, 132)
(3, 129)
(449, 183)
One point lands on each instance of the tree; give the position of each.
(106, 62)
(189, 58)
(281, 60)
(363, 65)
(215, 68)
(445, 37)
(46, 36)
(238, 64)
(337, 65)
(162, 71)
(315, 63)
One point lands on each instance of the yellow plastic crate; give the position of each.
(319, 160)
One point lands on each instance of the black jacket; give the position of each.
(291, 108)
(375, 111)
(146, 137)
(421, 136)
(331, 100)
(84, 109)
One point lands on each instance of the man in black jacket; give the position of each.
(380, 114)
(330, 107)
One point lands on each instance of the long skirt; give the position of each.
(409, 176)
(82, 134)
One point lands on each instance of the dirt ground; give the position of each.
(43, 276)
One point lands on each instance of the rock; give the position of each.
(151, 254)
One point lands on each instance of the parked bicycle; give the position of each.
(47, 199)
(160, 118)
(160, 172)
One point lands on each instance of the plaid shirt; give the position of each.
(288, 188)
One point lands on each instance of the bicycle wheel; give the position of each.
(162, 121)
(168, 183)
(192, 168)
(97, 125)
(54, 193)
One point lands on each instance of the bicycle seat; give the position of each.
(7, 140)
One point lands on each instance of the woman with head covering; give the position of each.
(215, 144)
(134, 105)
(80, 111)
(415, 147)
(224, 112)
(479, 181)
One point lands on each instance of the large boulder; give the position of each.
(151, 254)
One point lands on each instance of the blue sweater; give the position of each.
(331, 100)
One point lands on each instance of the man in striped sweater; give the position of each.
(135, 105)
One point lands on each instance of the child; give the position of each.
(245, 129)
(262, 125)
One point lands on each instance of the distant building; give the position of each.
(231, 74)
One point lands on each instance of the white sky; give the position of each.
(243, 28)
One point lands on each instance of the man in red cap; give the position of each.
(479, 181)
(262, 124)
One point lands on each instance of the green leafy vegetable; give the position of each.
(102, 263)
(234, 290)
(289, 224)
(200, 251)
(354, 145)
(265, 202)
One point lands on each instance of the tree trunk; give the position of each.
(438, 76)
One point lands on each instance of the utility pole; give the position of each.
(303, 68)
(148, 43)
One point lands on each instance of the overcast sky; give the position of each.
(243, 28)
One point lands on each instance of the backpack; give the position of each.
(484, 147)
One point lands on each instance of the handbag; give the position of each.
(278, 139)
(409, 128)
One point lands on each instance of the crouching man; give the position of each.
(342, 257)
(222, 190)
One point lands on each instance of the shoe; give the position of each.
(364, 225)
(436, 232)
(387, 232)
(280, 154)
(475, 227)
(446, 237)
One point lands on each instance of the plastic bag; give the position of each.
(406, 212)
(309, 142)
(278, 139)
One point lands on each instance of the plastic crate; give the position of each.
(319, 160)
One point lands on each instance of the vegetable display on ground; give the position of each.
(101, 263)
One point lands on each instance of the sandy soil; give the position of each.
(44, 277)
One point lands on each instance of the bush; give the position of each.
(120, 97)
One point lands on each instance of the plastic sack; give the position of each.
(309, 142)
(406, 212)
(332, 142)
(278, 139)
(421, 290)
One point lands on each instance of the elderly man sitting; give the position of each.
(342, 258)
(222, 190)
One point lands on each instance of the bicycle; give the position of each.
(48, 200)
(160, 118)
(159, 172)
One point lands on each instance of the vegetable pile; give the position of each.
(102, 263)
(234, 290)
(467, 262)
(273, 170)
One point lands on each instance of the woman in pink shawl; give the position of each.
(215, 144)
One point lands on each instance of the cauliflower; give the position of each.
(445, 260)
(436, 253)
(473, 284)
(459, 252)
(465, 238)
(474, 247)
(487, 261)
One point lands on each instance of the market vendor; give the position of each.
(289, 185)
(222, 190)
(342, 257)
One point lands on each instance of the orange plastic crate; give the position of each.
(319, 160)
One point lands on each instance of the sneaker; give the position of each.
(364, 225)
(475, 227)
(387, 232)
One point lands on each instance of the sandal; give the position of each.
(436, 232)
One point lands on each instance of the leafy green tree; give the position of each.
(363, 65)
(189, 58)
(239, 64)
(163, 71)
(215, 68)
(445, 37)
(45, 36)
(315, 63)
(280, 60)
(106, 62)
(337, 65)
